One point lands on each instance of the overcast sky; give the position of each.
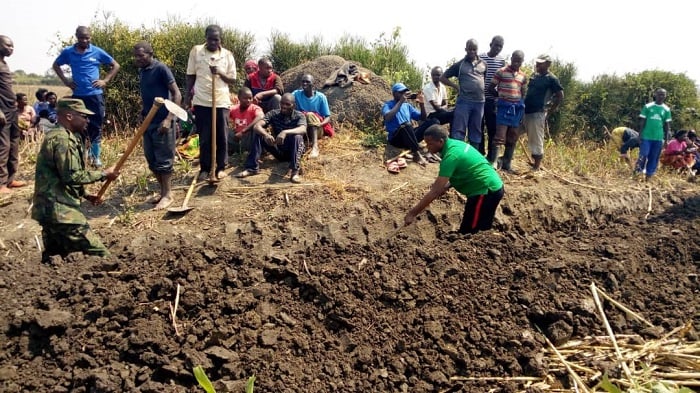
(597, 36)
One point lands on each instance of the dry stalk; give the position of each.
(274, 186)
(497, 379)
(571, 181)
(649, 207)
(623, 308)
(286, 199)
(38, 243)
(17, 245)
(173, 310)
(598, 303)
(565, 362)
(111, 222)
(306, 267)
(398, 187)
(2, 245)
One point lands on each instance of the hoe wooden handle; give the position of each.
(157, 103)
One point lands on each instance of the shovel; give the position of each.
(184, 208)
(157, 103)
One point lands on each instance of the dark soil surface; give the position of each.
(311, 287)
(301, 286)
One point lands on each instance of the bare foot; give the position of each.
(164, 203)
(154, 199)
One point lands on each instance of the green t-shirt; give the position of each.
(657, 116)
(467, 169)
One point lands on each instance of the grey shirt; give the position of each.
(470, 77)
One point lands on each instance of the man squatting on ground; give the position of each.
(59, 184)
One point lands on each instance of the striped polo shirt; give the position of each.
(509, 84)
(493, 64)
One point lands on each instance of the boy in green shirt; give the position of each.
(465, 169)
(655, 125)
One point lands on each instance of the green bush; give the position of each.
(286, 54)
(172, 41)
(386, 56)
(612, 101)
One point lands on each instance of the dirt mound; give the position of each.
(358, 104)
(310, 288)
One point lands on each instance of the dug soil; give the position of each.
(311, 287)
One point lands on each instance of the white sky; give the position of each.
(598, 36)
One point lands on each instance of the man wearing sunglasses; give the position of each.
(60, 182)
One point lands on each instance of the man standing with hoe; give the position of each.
(85, 60)
(60, 184)
(211, 99)
(156, 80)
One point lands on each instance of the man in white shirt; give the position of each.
(435, 96)
(210, 62)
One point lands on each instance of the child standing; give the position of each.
(655, 123)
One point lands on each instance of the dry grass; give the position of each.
(29, 90)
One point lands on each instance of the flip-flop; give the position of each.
(393, 167)
(401, 162)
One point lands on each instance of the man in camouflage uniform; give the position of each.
(60, 183)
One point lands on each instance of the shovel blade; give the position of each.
(176, 110)
(180, 209)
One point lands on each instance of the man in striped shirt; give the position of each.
(494, 62)
(509, 84)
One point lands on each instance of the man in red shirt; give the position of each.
(266, 86)
(509, 84)
(243, 117)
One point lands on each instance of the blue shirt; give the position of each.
(85, 67)
(153, 82)
(316, 103)
(406, 113)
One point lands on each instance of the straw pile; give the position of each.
(618, 363)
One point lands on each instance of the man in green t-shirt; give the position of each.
(465, 169)
(655, 126)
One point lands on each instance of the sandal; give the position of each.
(393, 167)
(401, 162)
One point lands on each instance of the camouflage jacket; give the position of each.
(60, 178)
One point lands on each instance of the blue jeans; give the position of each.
(467, 117)
(649, 154)
(95, 103)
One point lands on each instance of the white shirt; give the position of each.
(433, 93)
(198, 65)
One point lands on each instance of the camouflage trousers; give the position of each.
(63, 239)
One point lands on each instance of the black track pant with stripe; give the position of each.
(479, 211)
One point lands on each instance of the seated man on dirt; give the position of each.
(266, 86)
(398, 115)
(243, 117)
(435, 98)
(314, 105)
(285, 139)
(677, 155)
(467, 170)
